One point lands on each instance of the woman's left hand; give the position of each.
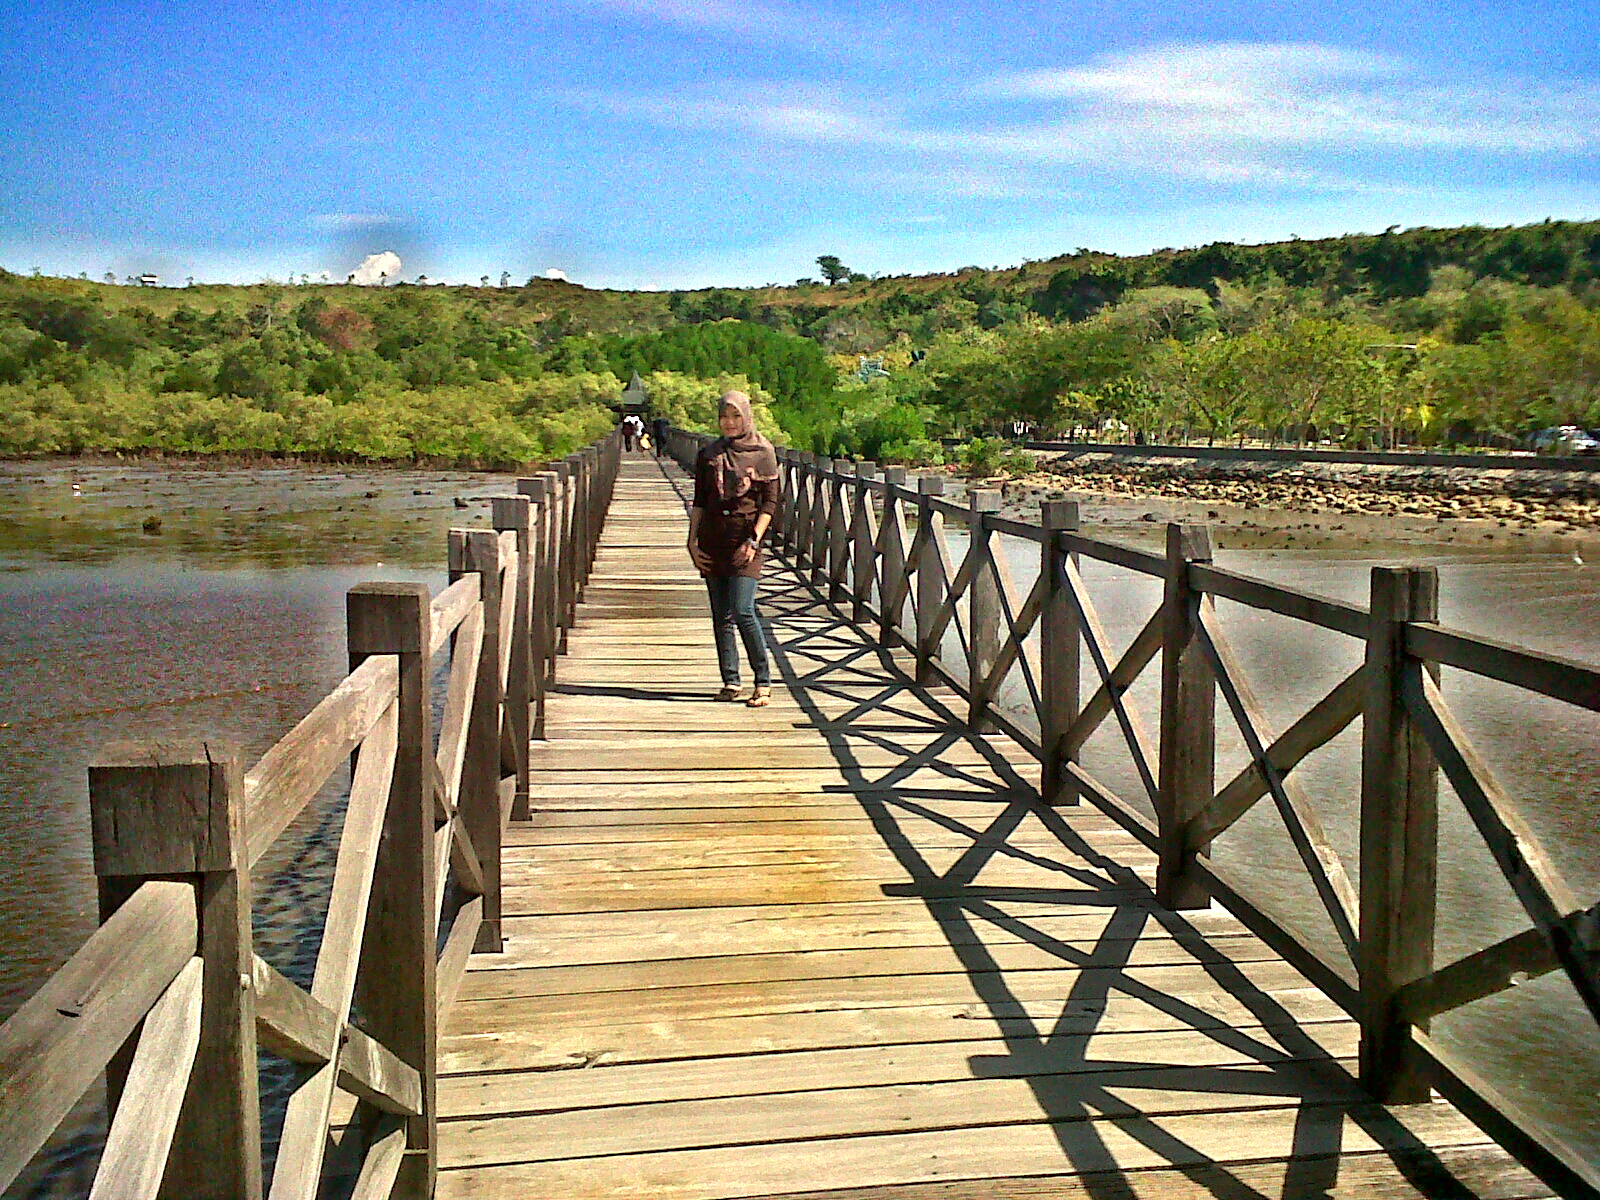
(744, 554)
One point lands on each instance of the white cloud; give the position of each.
(1306, 96)
(1194, 76)
(1231, 114)
(792, 112)
(767, 21)
(350, 222)
(375, 268)
(556, 273)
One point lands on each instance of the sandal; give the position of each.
(760, 698)
(727, 695)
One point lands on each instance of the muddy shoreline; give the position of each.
(224, 459)
(261, 512)
(1324, 506)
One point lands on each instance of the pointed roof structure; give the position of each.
(635, 397)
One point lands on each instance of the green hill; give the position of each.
(1465, 334)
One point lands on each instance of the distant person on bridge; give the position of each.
(631, 428)
(658, 435)
(735, 495)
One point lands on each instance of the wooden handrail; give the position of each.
(55, 1046)
(288, 775)
(141, 1132)
(451, 607)
(1387, 930)
(421, 825)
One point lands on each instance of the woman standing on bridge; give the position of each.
(735, 495)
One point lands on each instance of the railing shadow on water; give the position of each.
(873, 547)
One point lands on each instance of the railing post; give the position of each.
(565, 606)
(547, 590)
(516, 514)
(579, 545)
(930, 574)
(478, 551)
(788, 509)
(1399, 835)
(595, 514)
(537, 489)
(783, 519)
(839, 530)
(597, 507)
(865, 552)
(892, 564)
(396, 989)
(1059, 649)
(159, 810)
(1187, 754)
(800, 540)
(820, 522)
(983, 612)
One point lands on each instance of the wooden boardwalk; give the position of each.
(835, 947)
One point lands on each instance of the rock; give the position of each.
(460, 502)
(151, 525)
(1148, 517)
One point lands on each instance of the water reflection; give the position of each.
(228, 624)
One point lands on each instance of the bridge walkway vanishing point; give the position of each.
(837, 947)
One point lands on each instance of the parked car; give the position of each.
(1564, 439)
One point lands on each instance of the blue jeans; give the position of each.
(733, 603)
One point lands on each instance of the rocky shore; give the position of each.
(1327, 505)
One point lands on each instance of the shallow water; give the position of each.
(227, 621)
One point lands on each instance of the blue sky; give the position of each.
(681, 143)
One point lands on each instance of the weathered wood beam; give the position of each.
(450, 607)
(1306, 834)
(288, 775)
(1534, 880)
(135, 1157)
(1399, 837)
(55, 1046)
(1323, 722)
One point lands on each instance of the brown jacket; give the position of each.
(725, 524)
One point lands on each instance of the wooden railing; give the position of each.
(877, 548)
(169, 998)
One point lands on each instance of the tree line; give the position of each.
(1430, 336)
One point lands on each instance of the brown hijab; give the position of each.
(744, 458)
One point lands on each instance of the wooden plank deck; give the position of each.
(833, 948)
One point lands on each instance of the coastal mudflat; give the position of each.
(273, 514)
(1325, 507)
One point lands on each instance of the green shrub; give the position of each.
(984, 457)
